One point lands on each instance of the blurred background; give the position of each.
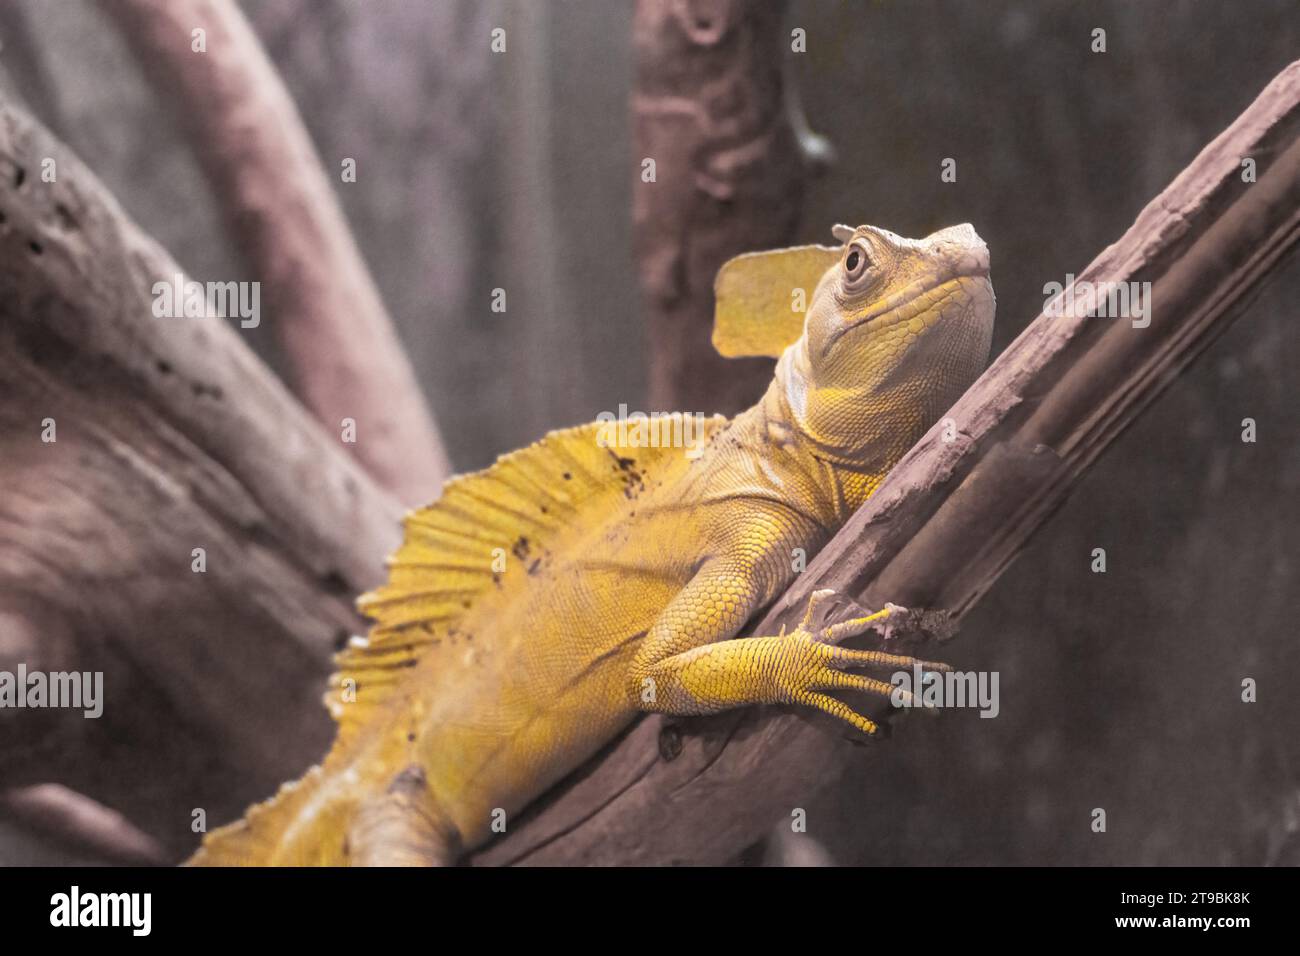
(1119, 690)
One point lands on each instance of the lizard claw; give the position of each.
(815, 601)
(895, 619)
(902, 621)
(891, 621)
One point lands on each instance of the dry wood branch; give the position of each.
(707, 108)
(954, 514)
(170, 436)
(80, 824)
(346, 360)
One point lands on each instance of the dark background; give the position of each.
(1118, 690)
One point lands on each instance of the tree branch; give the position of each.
(346, 360)
(80, 824)
(953, 514)
(169, 436)
(708, 109)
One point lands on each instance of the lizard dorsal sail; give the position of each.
(490, 529)
(480, 538)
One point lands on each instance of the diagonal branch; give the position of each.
(80, 824)
(345, 358)
(953, 514)
(170, 517)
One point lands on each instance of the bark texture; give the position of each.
(345, 359)
(127, 441)
(708, 110)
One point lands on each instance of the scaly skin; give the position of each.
(629, 599)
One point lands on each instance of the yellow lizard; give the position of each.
(540, 604)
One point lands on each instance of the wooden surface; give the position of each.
(708, 109)
(170, 436)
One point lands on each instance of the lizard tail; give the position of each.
(306, 825)
(268, 835)
(403, 827)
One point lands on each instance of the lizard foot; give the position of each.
(813, 664)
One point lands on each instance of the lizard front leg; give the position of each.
(680, 671)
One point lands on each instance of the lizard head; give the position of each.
(890, 305)
(895, 330)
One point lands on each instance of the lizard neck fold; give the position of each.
(843, 477)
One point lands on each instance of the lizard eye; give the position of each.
(857, 262)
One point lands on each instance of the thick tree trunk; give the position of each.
(127, 443)
(728, 174)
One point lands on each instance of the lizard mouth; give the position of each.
(921, 296)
